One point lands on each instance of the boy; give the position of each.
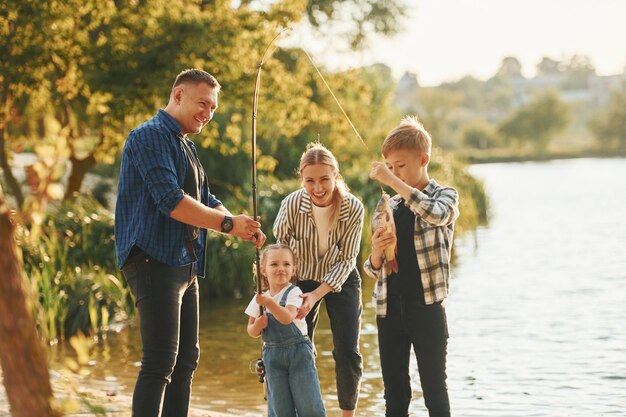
(409, 305)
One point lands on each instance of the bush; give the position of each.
(72, 270)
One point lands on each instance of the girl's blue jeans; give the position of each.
(293, 387)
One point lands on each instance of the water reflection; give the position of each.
(536, 310)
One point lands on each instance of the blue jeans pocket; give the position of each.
(138, 278)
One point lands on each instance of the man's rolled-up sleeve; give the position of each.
(153, 157)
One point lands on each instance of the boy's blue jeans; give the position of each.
(167, 303)
(409, 323)
(344, 311)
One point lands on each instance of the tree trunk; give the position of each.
(22, 355)
(77, 174)
(14, 186)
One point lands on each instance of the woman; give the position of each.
(322, 224)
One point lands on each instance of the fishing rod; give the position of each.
(255, 101)
(259, 365)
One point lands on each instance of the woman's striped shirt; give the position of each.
(294, 226)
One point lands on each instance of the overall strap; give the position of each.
(283, 299)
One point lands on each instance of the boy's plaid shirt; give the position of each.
(436, 209)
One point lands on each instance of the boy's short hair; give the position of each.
(409, 134)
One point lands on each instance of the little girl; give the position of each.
(292, 383)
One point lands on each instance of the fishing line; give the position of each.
(334, 97)
(339, 104)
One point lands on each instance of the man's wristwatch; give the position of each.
(227, 224)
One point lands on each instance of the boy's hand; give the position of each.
(381, 173)
(381, 240)
(261, 322)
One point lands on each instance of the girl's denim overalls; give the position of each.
(293, 387)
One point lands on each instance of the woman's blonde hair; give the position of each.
(318, 154)
(265, 285)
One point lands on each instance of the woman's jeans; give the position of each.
(293, 387)
(167, 302)
(409, 323)
(344, 311)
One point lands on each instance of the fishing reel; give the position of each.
(260, 370)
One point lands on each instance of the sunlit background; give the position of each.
(526, 102)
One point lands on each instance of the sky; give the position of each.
(444, 40)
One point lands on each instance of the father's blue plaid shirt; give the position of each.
(152, 175)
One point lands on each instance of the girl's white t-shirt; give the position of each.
(293, 299)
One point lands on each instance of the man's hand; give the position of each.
(248, 229)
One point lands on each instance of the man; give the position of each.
(163, 209)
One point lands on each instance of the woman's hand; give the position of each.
(309, 299)
(308, 302)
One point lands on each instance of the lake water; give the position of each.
(537, 310)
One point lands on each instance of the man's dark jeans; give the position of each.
(425, 328)
(167, 302)
(344, 312)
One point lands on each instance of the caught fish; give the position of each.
(383, 219)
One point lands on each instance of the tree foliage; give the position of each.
(537, 122)
(610, 125)
(91, 70)
(361, 17)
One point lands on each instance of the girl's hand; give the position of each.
(263, 299)
(261, 322)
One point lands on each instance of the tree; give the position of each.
(22, 356)
(479, 135)
(437, 107)
(510, 68)
(106, 65)
(610, 125)
(576, 69)
(360, 17)
(23, 61)
(548, 66)
(537, 122)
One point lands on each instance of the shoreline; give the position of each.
(88, 401)
(487, 157)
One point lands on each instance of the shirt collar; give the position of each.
(169, 122)
(306, 206)
(430, 188)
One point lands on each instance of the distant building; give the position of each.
(406, 91)
(601, 87)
